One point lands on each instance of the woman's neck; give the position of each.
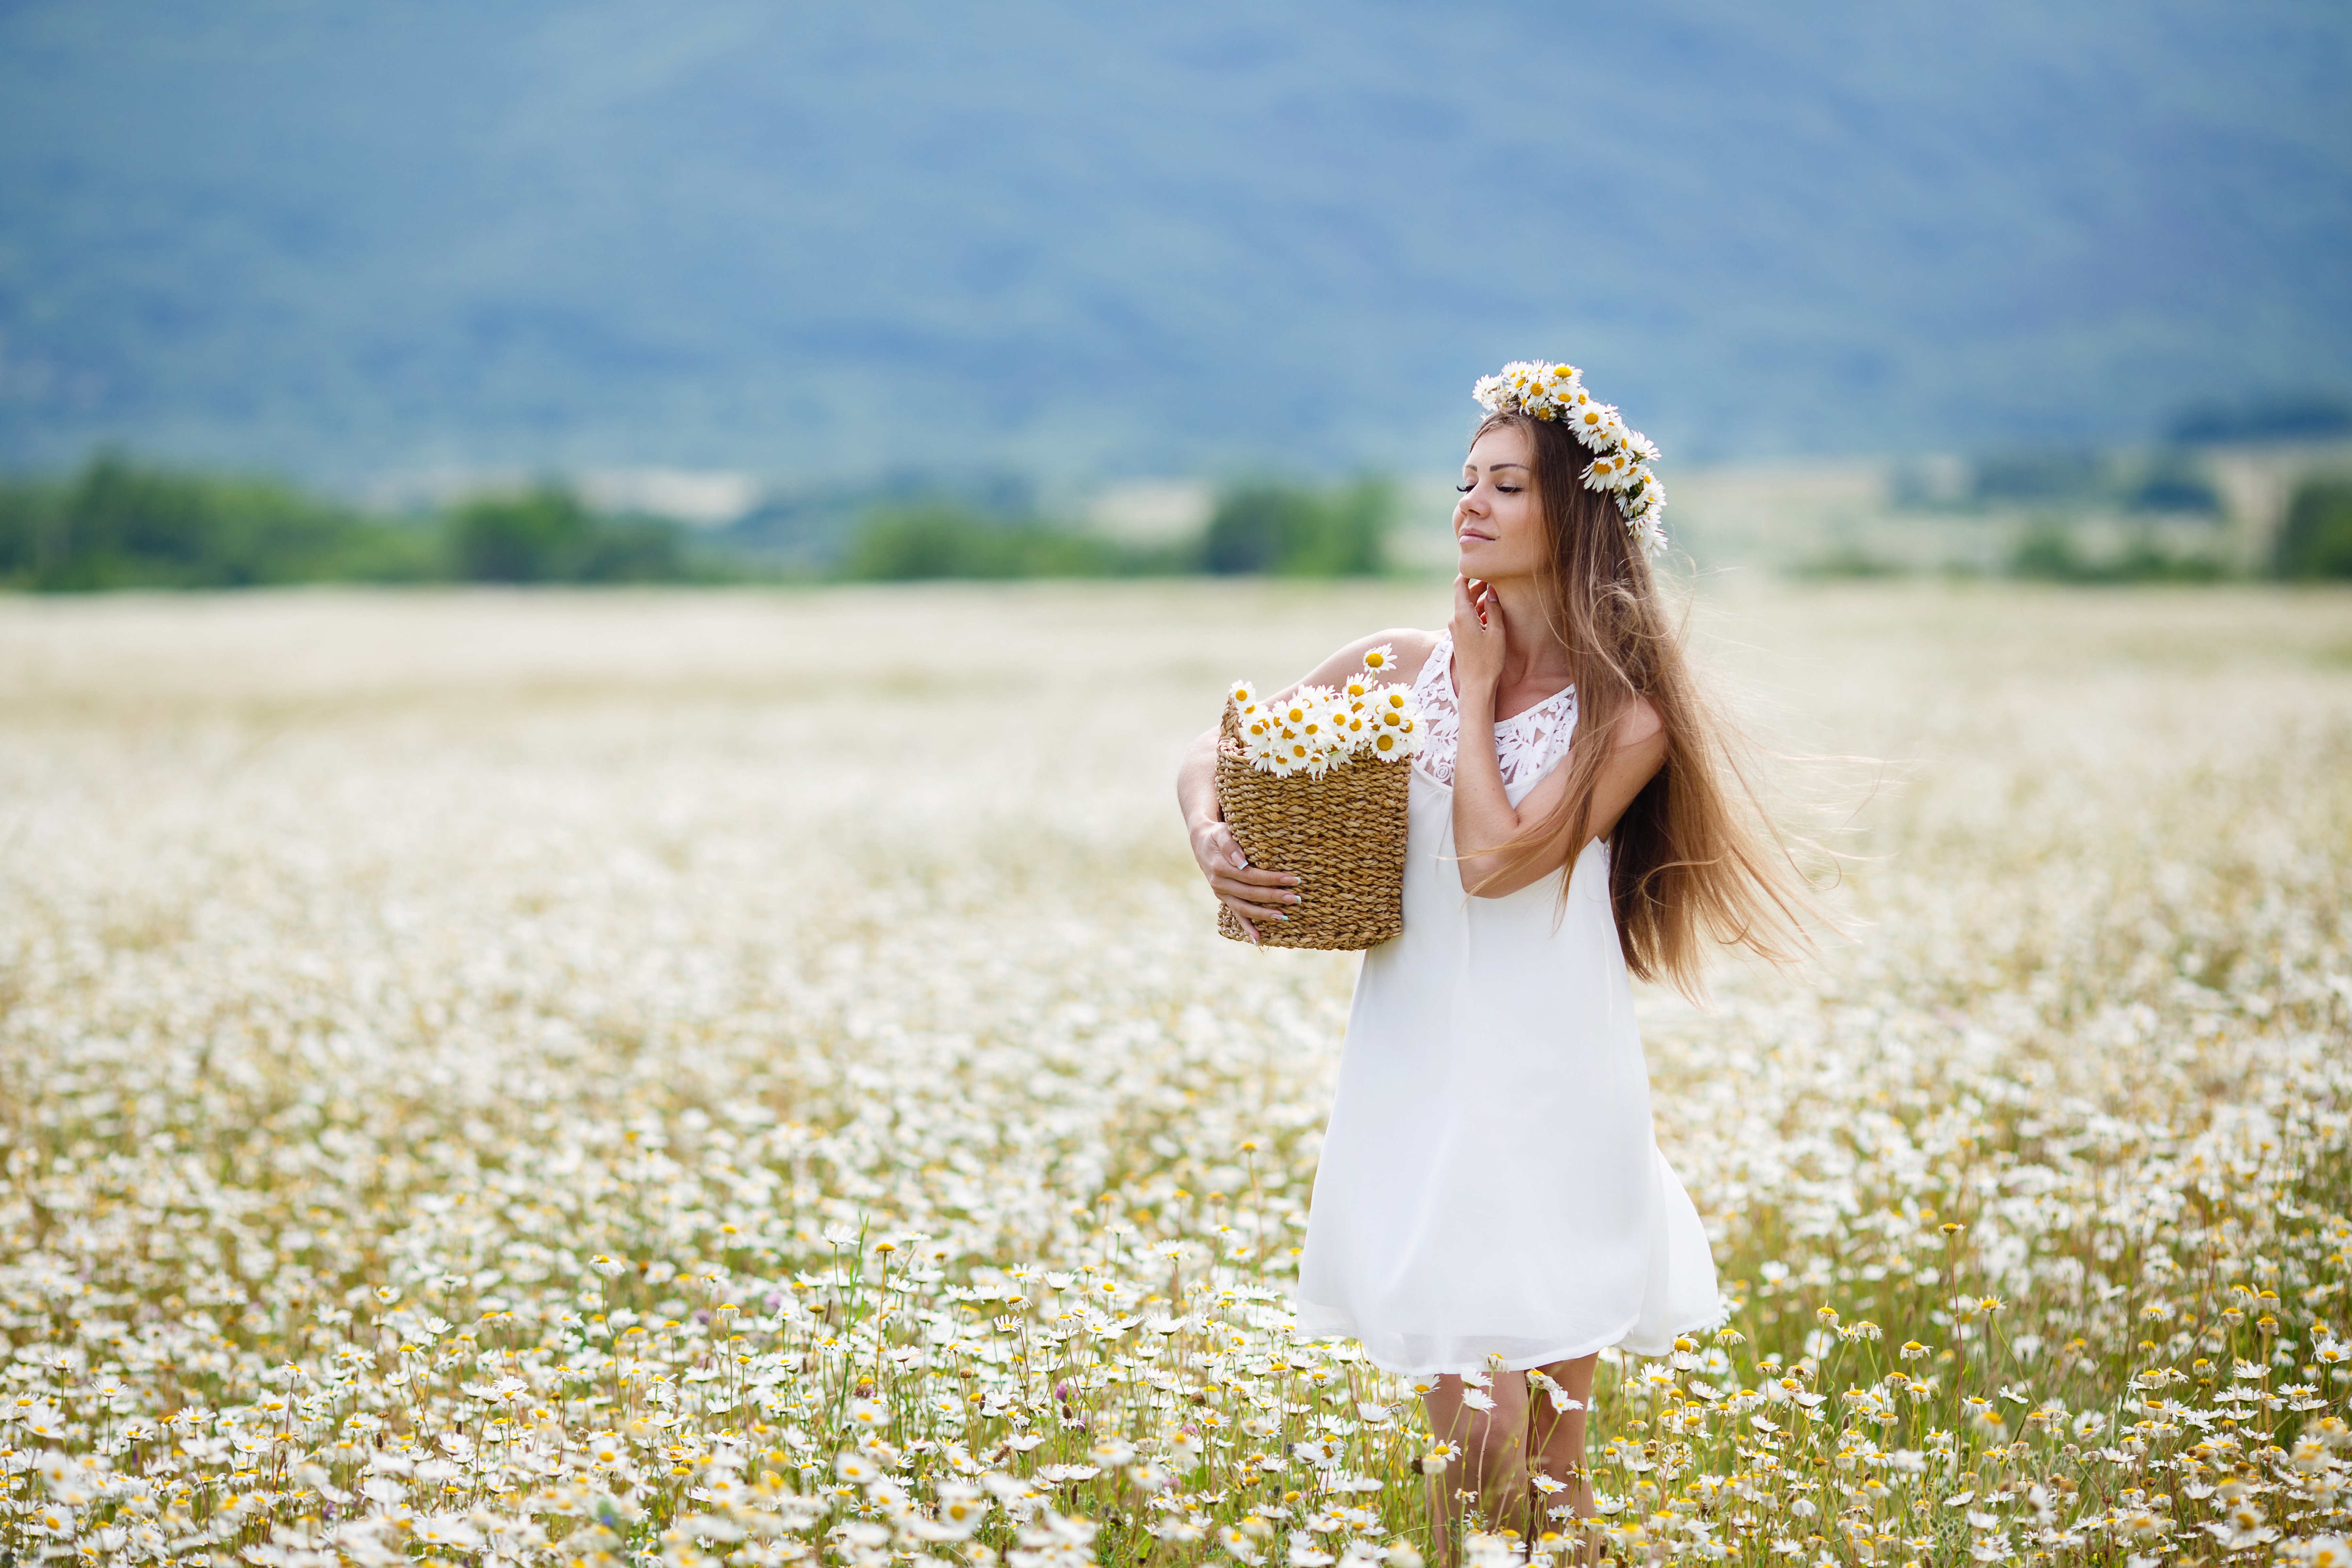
(1531, 653)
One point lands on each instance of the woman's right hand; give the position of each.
(1478, 636)
(1249, 892)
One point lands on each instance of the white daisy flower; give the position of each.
(1293, 710)
(1554, 390)
(1401, 737)
(1608, 471)
(961, 1507)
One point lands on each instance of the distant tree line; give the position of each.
(119, 523)
(928, 540)
(1281, 529)
(2314, 544)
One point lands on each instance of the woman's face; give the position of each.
(1498, 525)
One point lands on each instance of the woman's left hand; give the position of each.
(1477, 628)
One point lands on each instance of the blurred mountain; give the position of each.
(828, 242)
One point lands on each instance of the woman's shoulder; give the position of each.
(1408, 649)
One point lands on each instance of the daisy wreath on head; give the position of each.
(1620, 455)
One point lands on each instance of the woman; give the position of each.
(1490, 1197)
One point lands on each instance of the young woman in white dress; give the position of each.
(1491, 1209)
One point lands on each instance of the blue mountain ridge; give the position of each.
(1103, 241)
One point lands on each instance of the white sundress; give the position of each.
(1490, 1184)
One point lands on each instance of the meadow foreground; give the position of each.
(751, 1077)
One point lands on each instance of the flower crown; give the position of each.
(1620, 456)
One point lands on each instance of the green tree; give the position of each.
(909, 544)
(2046, 551)
(535, 537)
(636, 550)
(2317, 540)
(547, 536)
(28, 513)
(120, 524)
(1296, 532)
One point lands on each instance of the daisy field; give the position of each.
(751, 1077)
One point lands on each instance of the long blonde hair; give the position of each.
(1696, 859)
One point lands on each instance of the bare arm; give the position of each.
(1252, 893)
(1484, 817)
(1413, 649)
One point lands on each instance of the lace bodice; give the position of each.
(1525, 744)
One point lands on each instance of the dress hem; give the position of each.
(1510, 1364)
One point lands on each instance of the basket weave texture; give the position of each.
(1342, 835)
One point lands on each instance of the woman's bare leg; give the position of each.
(1492, 1461)
(1556, 1442)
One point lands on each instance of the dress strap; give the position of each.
(1525, 744)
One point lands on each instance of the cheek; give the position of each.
(1524, 525)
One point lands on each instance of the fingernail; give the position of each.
(1290, 897)
(1278, 915)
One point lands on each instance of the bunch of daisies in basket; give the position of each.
(1621, 455)
(1316, 728)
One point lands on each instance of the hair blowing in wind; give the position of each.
(1695, 860)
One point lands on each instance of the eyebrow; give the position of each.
(1493, 467)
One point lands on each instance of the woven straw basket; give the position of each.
(1342, 835)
